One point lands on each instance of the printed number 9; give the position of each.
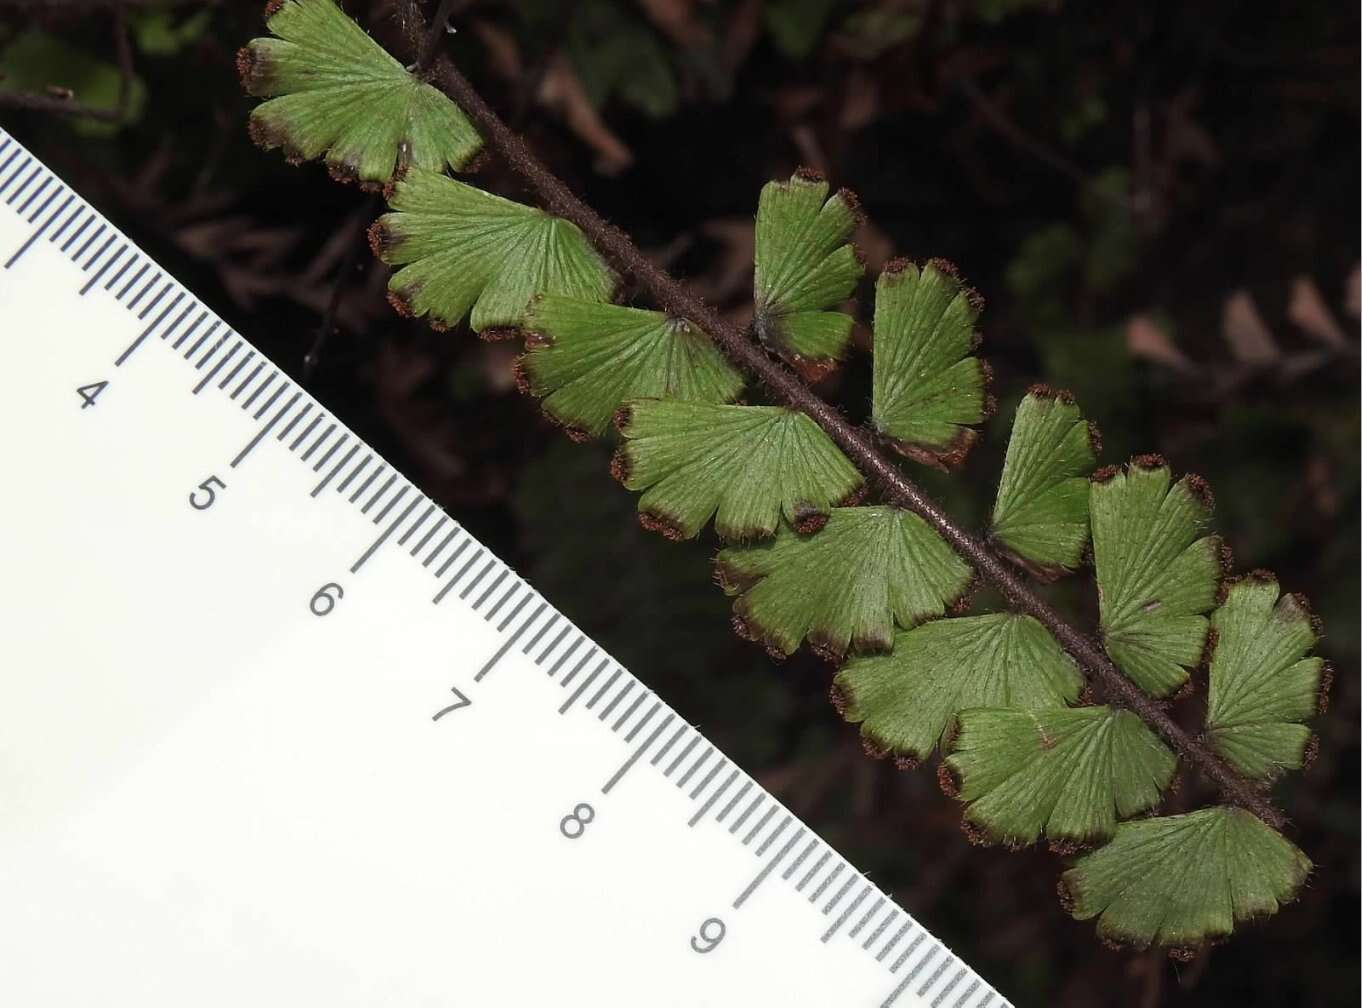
(325, 599)
(711, 933)
(574, 825)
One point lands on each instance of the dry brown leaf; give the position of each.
(1147, 340)
(1249, 338)
(562, 90)
(1308, 310)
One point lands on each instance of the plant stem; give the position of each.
(859, 445)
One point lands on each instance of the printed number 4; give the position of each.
(89, 393)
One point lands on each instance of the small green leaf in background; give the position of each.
(1041, 513)
(165, 33)
(926, 386)
(1262, 685)
(750, 464)
(795, 25)
(904, 701)
(30, 61)
(460, 248)
(587, 359)
(844, 587)
(1069, 774)
(1156, 573)
(1182, 880)
(334, 91)
(805, 265)
(616, 54)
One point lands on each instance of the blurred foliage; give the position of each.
(1087, 165)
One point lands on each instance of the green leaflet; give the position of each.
(1066, 773)
(586, 359)
(804, 265)
(460, 248)
(926, 386)
(1262, 685)
(1156, 574)
(1041, 513)
(1182, 880)
(905, 700)
(334, 91)
(750, 464)
(845, 586)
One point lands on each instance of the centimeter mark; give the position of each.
(775, 837)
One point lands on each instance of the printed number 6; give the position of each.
(711, 933)
(325, 599)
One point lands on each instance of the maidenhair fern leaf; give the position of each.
(750, 464)
(1156, 573)
(334, 91)
(926, 386)
(1069, 774)
(804, 265)
(1041, 514)
(844, 587)
(460, 248)
(1183, 880)
(1262, 685)
(905, 700)
(586, 359)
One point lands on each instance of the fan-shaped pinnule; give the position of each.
(586, 359)
(461, 252)
(748, 467)
(1066, 773)
(1040, 516)
(1157, 574)
(928, 390)
(334, 92)
(1262, 684)
(905, 700)
(805, 265)
(845, 587)
(1185, 880)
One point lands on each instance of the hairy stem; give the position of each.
(859, 445)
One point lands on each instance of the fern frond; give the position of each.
(844, 587)
(744, 466)
(1041, 512)
(335, 92)
(1262, 685)
(1156, 573)
(586, 359)
(905, 701)
(1066, 774)
(927, 389)
(462, 250)
(804, 265)
(1184, 880)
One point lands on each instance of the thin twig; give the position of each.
(355, 241)
(431, 45)
(862, 450)
(57, 104)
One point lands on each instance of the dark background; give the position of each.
(1159, 202)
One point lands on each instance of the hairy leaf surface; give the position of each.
(586, 359)
(1262, 684)
(750, 464)
(804, 265)
(1182, 880)
(905, 700)
(843, 587)
(1069, 774)
(927, 388)
(1041, 513)
(462, 249)
(1156, 573)
(334, 91)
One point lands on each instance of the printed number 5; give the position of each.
(210, 495)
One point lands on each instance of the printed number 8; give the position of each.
(574, 825)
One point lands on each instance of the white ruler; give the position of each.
(275, 730)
